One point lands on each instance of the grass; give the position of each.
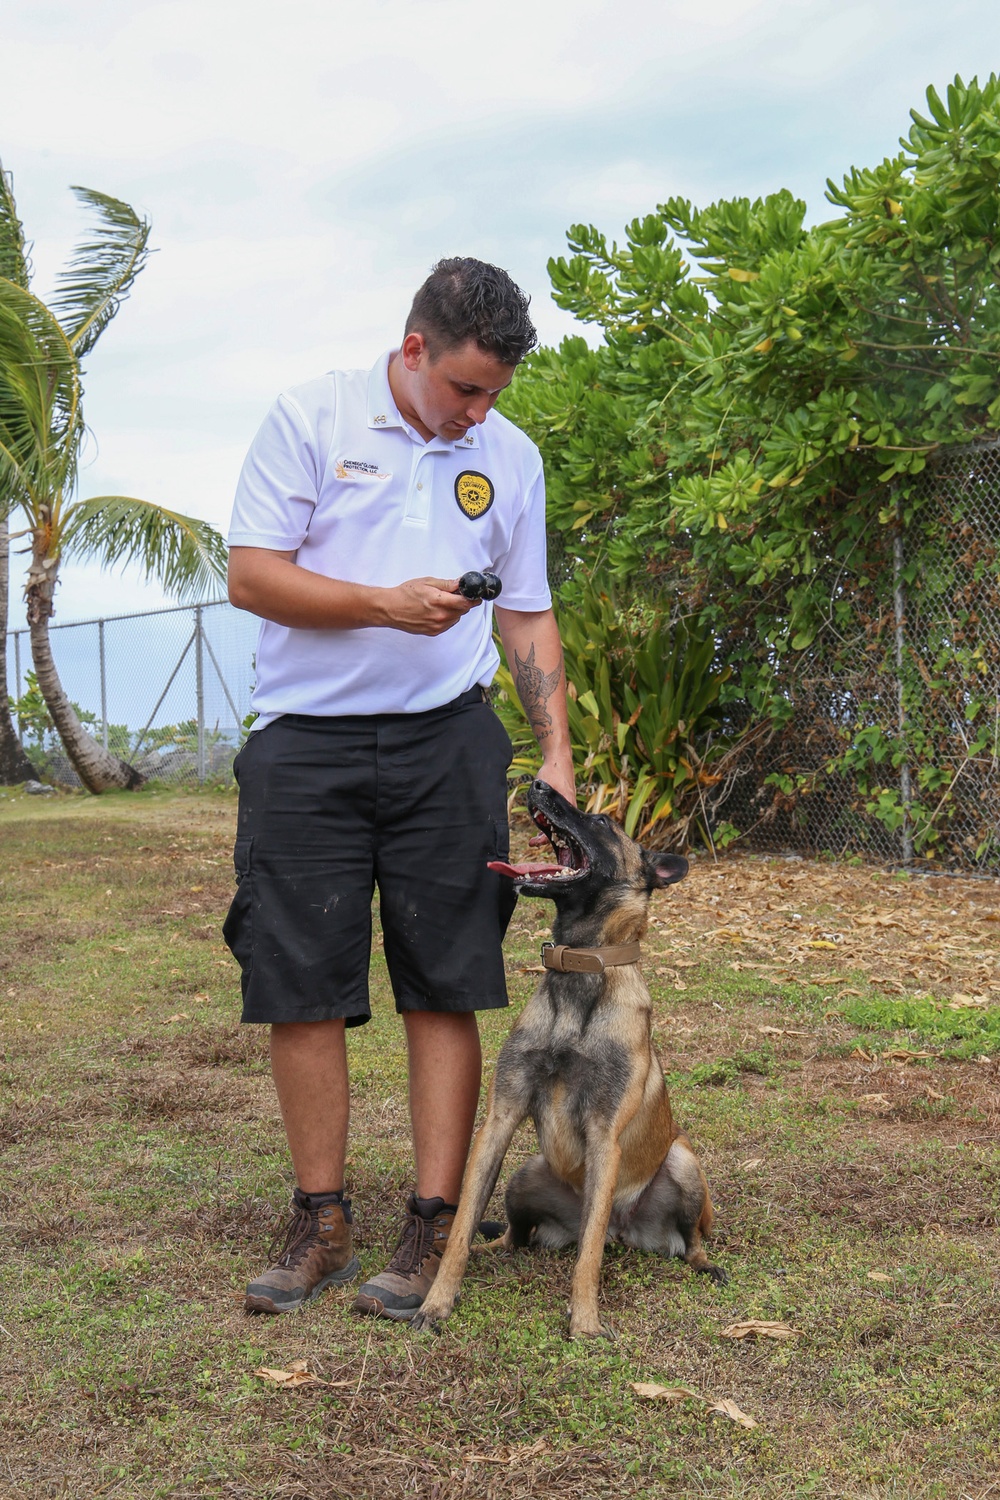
(142, 1169)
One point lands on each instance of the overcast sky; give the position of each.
(304, 163)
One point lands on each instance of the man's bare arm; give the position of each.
(272, 585)
(534, 652)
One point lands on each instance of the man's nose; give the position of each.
(478, 408)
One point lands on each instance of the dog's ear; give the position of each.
(666, 869)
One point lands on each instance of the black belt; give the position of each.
(477, 694)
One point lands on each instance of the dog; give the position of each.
(580, 1061)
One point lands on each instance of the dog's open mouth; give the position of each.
(571, 861)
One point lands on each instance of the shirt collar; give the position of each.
(383, 411)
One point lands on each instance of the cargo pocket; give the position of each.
(506, 889)
(237, 929)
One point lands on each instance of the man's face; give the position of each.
(446, 396)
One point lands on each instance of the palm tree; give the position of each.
(14, 764)
(41, 429)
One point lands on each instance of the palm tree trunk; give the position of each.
(15, 766)
(97, 769)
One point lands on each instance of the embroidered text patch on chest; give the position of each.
(356, 468)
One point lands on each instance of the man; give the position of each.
(375, 759)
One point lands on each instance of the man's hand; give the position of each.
(272, 585)
(559, 775)
(531, 641)
(425, 606)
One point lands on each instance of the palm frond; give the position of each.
(40, 419)
(101, 270)
(186, 556)
(14, 263)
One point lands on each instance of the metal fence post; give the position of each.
(899, 610)
(104, 684)
(199, 659)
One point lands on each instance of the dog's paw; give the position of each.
(426, 1322)
(587, 1330)
(718, 1275)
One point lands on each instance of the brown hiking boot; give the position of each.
(317, 1252)
(399, 1290)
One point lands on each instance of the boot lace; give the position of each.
(415, 1244)
(298, 1235)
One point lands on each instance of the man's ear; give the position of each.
(412, 350)
(666, 869)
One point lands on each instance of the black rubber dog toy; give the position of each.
(479, 585)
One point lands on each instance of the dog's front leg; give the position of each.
(603, 1160)
(488, 1152)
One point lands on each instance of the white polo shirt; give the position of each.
(337, 476)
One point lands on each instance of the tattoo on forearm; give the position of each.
(535, 688)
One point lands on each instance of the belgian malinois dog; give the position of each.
(580, 1061)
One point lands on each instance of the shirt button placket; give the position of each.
(418, 499)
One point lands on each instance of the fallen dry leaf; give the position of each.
(181, 1015)
(732, 1411)
(878, 1276)
(752, 1164)
(298, 1373)
(508, 1455)
(968, 1002)
(779, 1031)
(670, 1393)
(755, 1328)
(904, 1055)
(875, 1101)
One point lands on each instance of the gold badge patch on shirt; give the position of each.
(474, 493)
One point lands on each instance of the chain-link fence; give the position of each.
(892, 747)
(166, 691)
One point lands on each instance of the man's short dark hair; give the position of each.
(465, 299)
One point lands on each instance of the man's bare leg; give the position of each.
(446, 1069)
(309, 1067)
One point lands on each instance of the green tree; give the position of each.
(748, 435)
(761, 408)
(41, 427)
(14, 764)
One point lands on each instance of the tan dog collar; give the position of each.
(566, 960)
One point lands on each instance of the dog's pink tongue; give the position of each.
(517, 872)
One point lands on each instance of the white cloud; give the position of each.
(304, 164)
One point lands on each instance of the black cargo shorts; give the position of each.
(330, 809)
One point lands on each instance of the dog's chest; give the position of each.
(565, 1065)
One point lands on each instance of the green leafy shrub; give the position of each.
(764, 433)
(644, 714)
